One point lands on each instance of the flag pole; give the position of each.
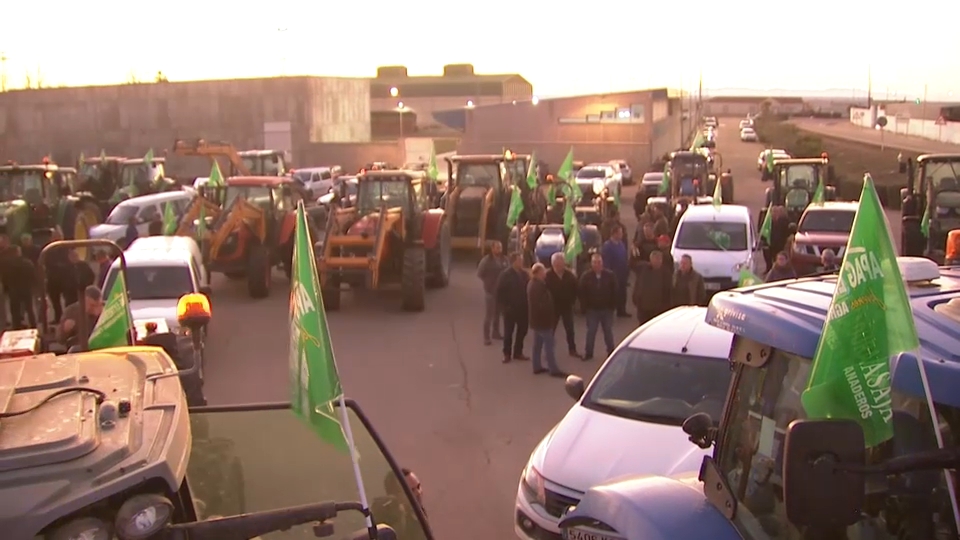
(348, 433)
(951, 489)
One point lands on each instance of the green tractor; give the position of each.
(37, 199)
(100, 178)
(142, 177)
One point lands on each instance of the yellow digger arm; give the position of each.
(242, 212)
(212, 150)
(185, 226)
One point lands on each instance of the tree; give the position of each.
(161, 78)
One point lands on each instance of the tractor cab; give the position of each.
(30, 195)
(688, 173)
(933, 181)
(478, 196)
(264, 162)
(99, 176)
(795, 183)
(774, 473)
(138, 177)
(391, 235)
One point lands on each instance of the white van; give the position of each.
(160, 269)
(146, 209)
(721, 241)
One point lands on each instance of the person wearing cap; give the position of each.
(543, 322)
(70, 322)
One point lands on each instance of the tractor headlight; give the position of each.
(142, 516)
(85, 528)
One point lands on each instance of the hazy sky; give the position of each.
(562, 48)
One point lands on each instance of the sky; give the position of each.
(562, 48)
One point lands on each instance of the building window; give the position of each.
(638, 113)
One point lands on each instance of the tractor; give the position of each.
(37, 199)
(716, 173)
(933, 181)
(795, 183)
(264, 162)
(391, 235)
(140, 178)
(246, 163)
(100, 177)
(252, 233)
(688, 173)
(478, 196)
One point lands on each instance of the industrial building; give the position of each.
(744, 105)
(636, 126)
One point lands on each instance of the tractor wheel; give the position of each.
(236, 276)
(413, 279)
(726, 191)
(330, 293)
(258, 271)
(438, 259)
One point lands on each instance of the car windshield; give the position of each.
(831, 221)
(712, 236)
(21, 184)
(659, 387)
(942, 176)
(689, 168)
(262, 165)
(137, 173)
(89, 170)
(374, 194)
(478, 174)
(122, 214)
(653, 177)
(589, 173)
(154, 282)
(231, 473)
(750, 453)
(258, 195)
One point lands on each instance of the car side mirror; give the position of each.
(819, 495)
(206, 290)
(574, 387)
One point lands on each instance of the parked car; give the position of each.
(626, 173)
(144, 210)
(747, 123)
(748, 134)
(627, 421)
(721, 241)
(778, 153)
(594, 172)
(649, 187)
(710, 121)
(825, 227)
(317, 180)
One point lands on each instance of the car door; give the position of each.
(147, 214)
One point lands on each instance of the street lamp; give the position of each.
(394, 91)
(469, 103)
(401, 109)
(535, 100)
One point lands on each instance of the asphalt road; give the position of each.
(443, 402)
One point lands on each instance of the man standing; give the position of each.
(828, 261)
(5, 261)
(663, 246)
(563, 289)
(77, 277)
(616, 258)
(598, 296)
(781, 269)
(512, 299)
(19, 279)
(543, 322)
(78, 315)
(688, 286)
(651, 293)
(30, 250)
(645, 241)
(491, 266)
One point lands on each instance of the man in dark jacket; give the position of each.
(491, 266)
(598, 296)
(688, 286)
(645, 241)
(5, 257)
(77, 276)
(616, 257)
(30, 250)
(563, 289)
(663, 246)
(781, 269)
(543, 322)
(512, 299)
(19, 280)
(651, 293)
(57, 272)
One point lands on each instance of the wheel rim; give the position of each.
(81, 231)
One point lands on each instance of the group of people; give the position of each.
(539, 299)
(784, 261)
(69, 288)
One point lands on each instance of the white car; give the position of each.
(593, 177)
(778, 153)
(711, 121)
(721, 241)
(748, 134)
(627, 421)
(143, 209)
(748, 123)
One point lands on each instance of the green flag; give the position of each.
(569, 218)
(113, 325)
(82, 159)
(868, 323)
(532, 171)
(169, 220)
(818, 196)
(665, 182)
(766, 228)
(769, 160)
(433, 172)
(925, 220)
(565, 172)
(616, 196)
(216, 177)
(718, 194)
(516, 207)
(748, 278)
(697, 141)
(315, 383)
(574, 247)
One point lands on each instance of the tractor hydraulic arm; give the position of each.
(242, 213)
(212, 150)
(210, 209)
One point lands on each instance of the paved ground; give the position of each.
(444, 403)
(843, 129)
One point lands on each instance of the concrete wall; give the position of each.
(743, 107)
(553, 126)
(424, 107)
(923, 111)
(129, 119)
(669, 132)
(352, 156)
(947, 132)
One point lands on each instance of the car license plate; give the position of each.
(581, 534)
(712, 286)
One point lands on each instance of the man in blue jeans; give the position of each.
(543, 321)
(598, 296)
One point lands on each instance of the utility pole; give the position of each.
(700, 96)
(923, 108)
(3, 71)
(869, 87)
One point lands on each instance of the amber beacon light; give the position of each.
(193, 311)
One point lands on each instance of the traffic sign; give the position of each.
(941, 121)
(882, 121)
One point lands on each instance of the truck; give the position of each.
(775, 474)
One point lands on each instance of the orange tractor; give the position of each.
(390, 235)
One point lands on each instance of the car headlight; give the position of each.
(533, 484)
(85, 528)
(142, 516)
